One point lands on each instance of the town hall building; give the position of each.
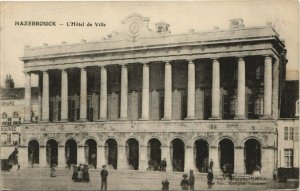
(141, 95)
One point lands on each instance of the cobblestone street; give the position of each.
(39, 179)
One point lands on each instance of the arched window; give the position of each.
(4, 115)
(15, 115)
(297, 108)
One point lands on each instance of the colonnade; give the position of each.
(240, 113)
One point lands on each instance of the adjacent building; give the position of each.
(141, 95)
(288, 130)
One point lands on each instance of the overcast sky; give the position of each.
(181, 16)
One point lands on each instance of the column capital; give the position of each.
(215, 59)
(167, 62)
(268, 56)
(123, 65)
(191, 61)
(44, 70)
(241, 58)
(82, 67)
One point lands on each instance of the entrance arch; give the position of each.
(252, 155)
(177, 155)
(90, 150)
(71, 151)
(132, 153)
(111, 152)
(33, 152)
(52, 152)
(154, 154)
(226, 153)
(201, 153)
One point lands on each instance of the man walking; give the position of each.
(210, 177)
(211, 164)
(191, 180)
(104, 175)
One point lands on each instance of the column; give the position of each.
(241, 94)
(239, 167)
(145, 93)
(122, 159)
(45, 99)
(40, 84)
(103, 94)
(124, 93)
(143, 161)
(27, 97)
(100, 156)
(61, 156)
(268, 87)
(83, 94)
(64, 96)
(267, 162)
(191, 91)
(23, 156)
(80, 155)
(275, 112)
(168, 92)
(165, 153)
(42, 156)
(189, 159)
(215, 110)
(214, 155)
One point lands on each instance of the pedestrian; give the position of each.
(165, 185)
(52, 171)
(104, 175)
(184, 182)
(68, 163)
(210, 177)
(165, 164)
(211, 164)
(191, 180)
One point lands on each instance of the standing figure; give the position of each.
(104, 175)
(165, 185)
(210, 177)
(68, 163)
(52, 171)
(184, 182)
(192, 180)
(211, 164)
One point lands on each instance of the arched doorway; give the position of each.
(154, 154)
(90, 150)
(33, 152)
(132, 153)
(71, 151)
(111, 152)
(52, 152)
(201, 153)
(252, 156)
(177, 155)
(226, 153)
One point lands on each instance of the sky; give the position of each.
(182, 16)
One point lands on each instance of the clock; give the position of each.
(134, 28)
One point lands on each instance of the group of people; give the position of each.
(227, 170)
(188, 182)
(81, 173)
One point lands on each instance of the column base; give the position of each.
(144, 119)
(102, 119)
(214, 118)
(83, 120)
(190, 118)
(266, 117)
(123, 118)
(64, 120)
(44, 121)
(27, 122)
(166, 119)
(240, 117)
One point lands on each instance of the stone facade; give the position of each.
(139, 96)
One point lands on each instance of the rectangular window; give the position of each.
(291, 137)
(288, 157)
(286, 133)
